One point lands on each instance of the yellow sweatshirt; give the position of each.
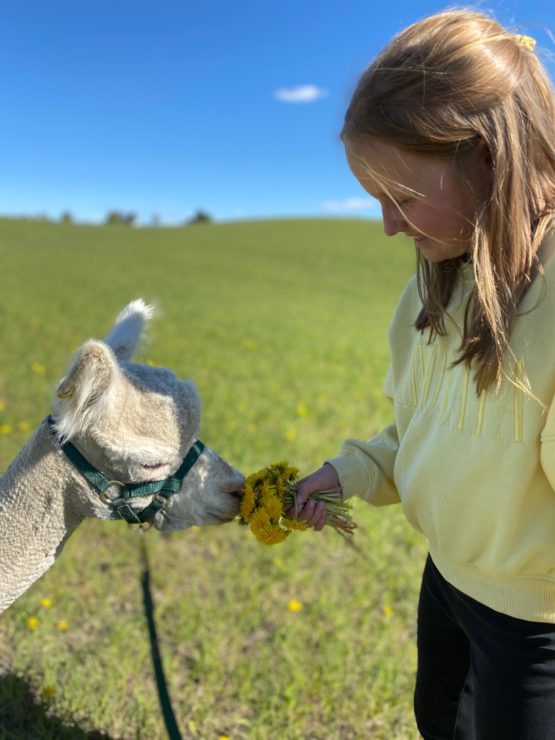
(474, 474)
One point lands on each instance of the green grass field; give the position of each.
(282, 325)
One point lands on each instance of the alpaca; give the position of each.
(132, 422)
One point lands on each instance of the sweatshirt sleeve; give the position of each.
(365, 469)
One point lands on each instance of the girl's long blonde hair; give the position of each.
(445, 85)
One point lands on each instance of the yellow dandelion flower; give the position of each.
(281, 487)
(293, 473)
(2, 405)
(302, 410)
(63, 625)
(46, 603)
(388, 611)
(38, 368)
(256, 479)
(264, 530)
(23, 426)
(283, 471)
(259, 519)
(270, 492)
(273, 506)
(278, 562)
(266, 492)
(5, 428)
(290, 434)
(247, 503)
(48, 692)
(32, 623)
(271, 535)
(264, 489)
(294, 605)
(296, 524)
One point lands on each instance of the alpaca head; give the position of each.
(136, 423)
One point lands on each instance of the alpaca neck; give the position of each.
(35, 516)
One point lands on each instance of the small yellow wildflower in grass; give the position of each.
(32, 623)
(38, 368)
(63, 625)
(46, 603)
(270, 493)
(5, 428)
(48, 692)
(2, 405)
(388, 611)
(302, 410)
(291, 434)
(294, 605)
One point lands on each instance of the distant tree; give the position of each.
(121, 219)
(113, 218)
(200, 217)
(66, 218)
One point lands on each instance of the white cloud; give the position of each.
(300, 94)
(351, 204)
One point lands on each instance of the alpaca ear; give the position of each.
(128, 329)
(85, 391)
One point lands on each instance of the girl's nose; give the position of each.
(393, 221)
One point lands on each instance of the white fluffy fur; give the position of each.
(126, 334)
(124, 419)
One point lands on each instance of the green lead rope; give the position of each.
(161, 489)
(163, 694)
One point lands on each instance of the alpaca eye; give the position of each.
(152, 467)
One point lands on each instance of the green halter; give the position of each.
(162, 489)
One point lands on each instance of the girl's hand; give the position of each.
(311, 511)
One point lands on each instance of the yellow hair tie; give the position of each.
(527, 42)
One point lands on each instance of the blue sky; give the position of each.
(169, 106)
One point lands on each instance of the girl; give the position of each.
(452, 129)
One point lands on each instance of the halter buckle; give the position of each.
(102, 494)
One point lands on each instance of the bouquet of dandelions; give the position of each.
(271, 492)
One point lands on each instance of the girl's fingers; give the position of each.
(314, 514)
(321, 522)
(307, 511)
(304, 489)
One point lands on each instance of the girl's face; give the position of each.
(423, 196)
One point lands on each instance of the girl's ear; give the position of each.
(90, 384)
(478, 170)
(484, 156)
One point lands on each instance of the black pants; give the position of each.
(481, 675)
